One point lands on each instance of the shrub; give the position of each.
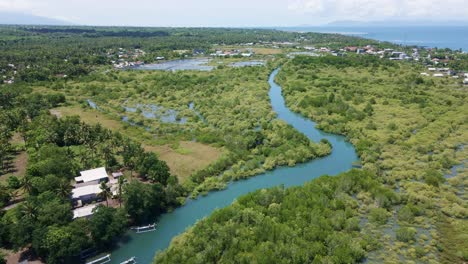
(434, 178)
(405, 234)
(378, 216)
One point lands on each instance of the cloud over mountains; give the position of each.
(382, 9)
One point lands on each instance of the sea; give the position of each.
(453, 37)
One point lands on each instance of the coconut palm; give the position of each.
(27, 185)
(29, 210)
(120, 182)
(64, 189)
(105, 192)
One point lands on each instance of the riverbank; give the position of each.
(172, 224)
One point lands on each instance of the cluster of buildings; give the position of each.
(231, 53)
(124, 58)
(445, 72)
(87, 190)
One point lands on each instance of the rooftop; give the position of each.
(86, 190)
(84, 211)
(92, 175)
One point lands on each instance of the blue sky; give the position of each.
(236, 13)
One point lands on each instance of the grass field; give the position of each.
(187, 158)
(183, 160)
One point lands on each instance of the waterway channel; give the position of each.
(144, 246)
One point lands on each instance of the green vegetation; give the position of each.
(58, 149)
(51, 72)
(317, 223)
(48, 53)
(253, 141)
(407, 130)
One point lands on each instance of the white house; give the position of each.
(86, 193)
(465, 82)
(97, 175)
(85, 211)
(438, 75)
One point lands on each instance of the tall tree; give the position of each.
(105, 192)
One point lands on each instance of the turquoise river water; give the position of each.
(144, 246)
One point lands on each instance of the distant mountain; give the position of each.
(10, 18)
(395, 23)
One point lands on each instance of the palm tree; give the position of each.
(64, 189)
(27, 184)
(105, 192)
(121, 182)
(29, 210)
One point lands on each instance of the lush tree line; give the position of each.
(58, 149)
(317, 223)
(48, 53)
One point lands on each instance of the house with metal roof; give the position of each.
(97, 175)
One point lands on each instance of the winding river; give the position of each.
(144, 246)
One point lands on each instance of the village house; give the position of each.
(94, 175)
(86, 193)
(87, 187)
(85, 211)
(351, 49)
(465, 81)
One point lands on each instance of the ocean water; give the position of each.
(453, 37)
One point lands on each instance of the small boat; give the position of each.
(143, 229)
(131, 260)
(101, 260)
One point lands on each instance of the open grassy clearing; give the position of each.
(187, 158)
(183, 160)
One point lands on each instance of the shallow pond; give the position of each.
(247, 64)
(198, 64)
(157, 112)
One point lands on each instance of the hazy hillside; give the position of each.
(28, 19)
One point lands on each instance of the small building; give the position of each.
(94, 175)
(87, 193)
(424, 74)
(86, 211)
(438, 75)
(465, 82)
(351, 49)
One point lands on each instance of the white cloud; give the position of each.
(381, 9)
(16, 5)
